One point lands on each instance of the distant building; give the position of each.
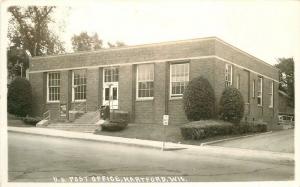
(148, 81)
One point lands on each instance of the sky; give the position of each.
(265, 29)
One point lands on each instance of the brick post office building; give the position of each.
(148, 80)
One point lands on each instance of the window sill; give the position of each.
(145, 99)
(79, 101)
(270, 107)
(260, 106)
(52, 102)
(175, 98)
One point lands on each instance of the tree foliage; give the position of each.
(85, 42)
(231, 106)
(286, 77)
(199, 100)
(19, 97)
(29, 30)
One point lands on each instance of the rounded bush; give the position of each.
(231, 105)
(19, 97)
(199, 100)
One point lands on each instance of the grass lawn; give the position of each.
(155, 132)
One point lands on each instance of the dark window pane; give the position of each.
(115, 93)
(106, 94)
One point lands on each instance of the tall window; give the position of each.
(53, 87)
(260, 91)
(238, 81)
(228, 75)
(253, 89)
(271, 94)
(145, 80)
(111, 74)
(79, 85)
(179, 78)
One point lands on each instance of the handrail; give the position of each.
(80, 107)
(47, 114)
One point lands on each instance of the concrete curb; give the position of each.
(236, 153)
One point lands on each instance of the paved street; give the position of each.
(278, 141)
(38, 158)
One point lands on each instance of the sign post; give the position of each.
(165, 123)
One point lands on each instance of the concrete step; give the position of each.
(88, 118)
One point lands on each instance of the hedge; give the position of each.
(210, 128)
(31, 120)
(199, 100)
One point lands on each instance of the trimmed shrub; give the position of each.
(231, 105)
(19, 97)
(114, 125)
(209, 128)
(31, 120)
(118, 121)
(199, 100)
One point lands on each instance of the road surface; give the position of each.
(35, 158)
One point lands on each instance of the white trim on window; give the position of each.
(238, 81)
(271, 95)
(184, 82)
(253, 89)
(228, 75)
(148, 77)
(57, 86)
(73, 87)
(260, 91)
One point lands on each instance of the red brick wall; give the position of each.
(151, 111)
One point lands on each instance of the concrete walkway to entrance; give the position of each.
(244, 154)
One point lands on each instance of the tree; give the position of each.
(231, 105)
(199, 100)
(286, 78)
(84, 42)
(29, 30)
(19, 97)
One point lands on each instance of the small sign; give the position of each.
(63, 110)
(165, 119)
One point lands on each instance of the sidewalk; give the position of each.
(217, 151)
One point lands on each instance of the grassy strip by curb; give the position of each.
(234, 138)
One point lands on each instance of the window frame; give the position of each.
(177, 96)
(231, 75)
(137, 82)
(271, 95)
(260, 90)
(253, 88)
(73, 88)
(238, 81)
(112, 75)
(48, 90)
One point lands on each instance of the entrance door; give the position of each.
(111, 87)
(110, 93)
